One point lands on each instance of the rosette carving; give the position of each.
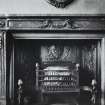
(2, 23)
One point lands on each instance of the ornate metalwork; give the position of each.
(20, 92)
(55, 53)
(94, 91)
(90, 58)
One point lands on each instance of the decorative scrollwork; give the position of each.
(71, 24)
(59, 24)
(44, 24)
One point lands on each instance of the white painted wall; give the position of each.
(42, 7)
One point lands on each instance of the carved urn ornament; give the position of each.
(59, 3)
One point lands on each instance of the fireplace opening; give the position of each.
(31, 55)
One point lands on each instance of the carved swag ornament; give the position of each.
(59, 3)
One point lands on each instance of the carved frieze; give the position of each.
(67, 23)
(50, 24)
(53, 23)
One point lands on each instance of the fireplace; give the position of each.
(55, 66)
(52, 59)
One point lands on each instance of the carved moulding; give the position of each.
(2, 70)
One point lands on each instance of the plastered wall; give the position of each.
(42, 7)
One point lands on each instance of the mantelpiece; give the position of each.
(46, 27)
(52, 23)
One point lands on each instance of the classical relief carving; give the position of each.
(53, 23)
(37, 23)
(44, 24)
(65, 24)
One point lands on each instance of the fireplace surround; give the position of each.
(20, 34)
